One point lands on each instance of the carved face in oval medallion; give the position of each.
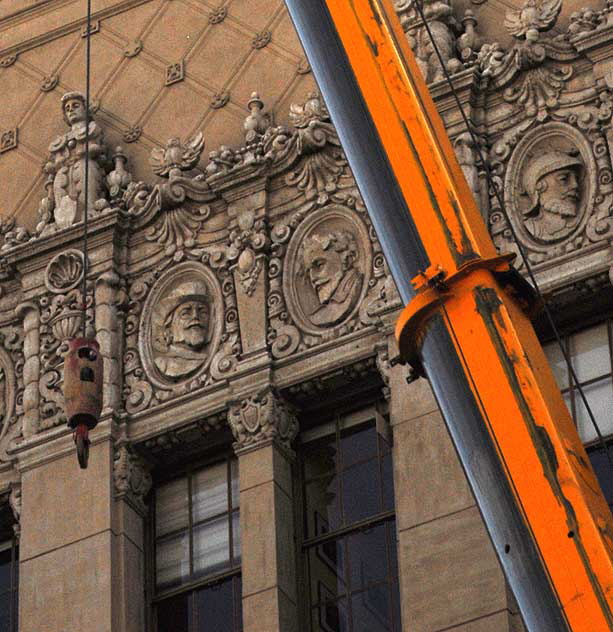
(328, 261)
(184, 325)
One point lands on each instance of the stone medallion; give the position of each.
(181, 324)
(327, 269)
(550, 184)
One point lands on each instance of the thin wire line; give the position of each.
(494, 187)
(85, 210)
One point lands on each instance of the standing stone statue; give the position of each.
(65, 169)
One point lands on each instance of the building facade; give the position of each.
(262, 462)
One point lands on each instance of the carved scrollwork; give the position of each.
(131, 477)
(11, 386)
(177, 229)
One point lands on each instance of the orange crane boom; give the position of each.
(465, 320)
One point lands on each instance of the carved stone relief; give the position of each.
(11, 386)
(65, 271)
(181, 324)
(327, 265)
(181, 330)
(131, 477)
(557, 186)
(262, 418)
(65, 170)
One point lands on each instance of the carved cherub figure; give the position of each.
(176, 156)
(533, 17)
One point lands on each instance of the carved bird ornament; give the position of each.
(177, 156)
(533, 17)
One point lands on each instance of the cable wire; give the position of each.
(86, 189)
(494, 187)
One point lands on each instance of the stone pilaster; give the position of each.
(81, 538)
(264, 428)
(449, 573)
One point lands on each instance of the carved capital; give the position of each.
(131, 477)
(261, 419)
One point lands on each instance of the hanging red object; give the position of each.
(83, 391)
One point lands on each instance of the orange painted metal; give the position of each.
(527, 419)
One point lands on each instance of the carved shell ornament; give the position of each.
(328, 263)
(181, 324)
(550, 185)
(64, 272)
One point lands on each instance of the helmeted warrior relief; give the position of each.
(552, 182)
(182, 329)
(329, 262)
(65, 169)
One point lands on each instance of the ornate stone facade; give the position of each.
(230, 289)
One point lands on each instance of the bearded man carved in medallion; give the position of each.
(329, 262)
(553, 183)
(182, 330)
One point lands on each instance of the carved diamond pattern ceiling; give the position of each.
(252, 47)
(228, 49)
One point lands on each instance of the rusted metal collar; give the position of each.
(434, 288)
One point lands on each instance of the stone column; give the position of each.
(449, 573)
(81, 541)
(264, 427)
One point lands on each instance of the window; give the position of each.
(9, 580)
(590, 352)
(197, 551)
(349, 532)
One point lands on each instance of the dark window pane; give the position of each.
(320, 458)
(5, 612)
(603, 471)
(396, 619)
(392, 549)
(5, 570)
(387, 483)
(172, 560)
(358, 443)
(367, 557)
(371, 610)
(323, 506)
(327, 569)
(330, 615)
(215, 607)
(238, 603)
(361, 491)
(173, 614)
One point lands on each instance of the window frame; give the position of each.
(193, 585)
(334, 425)
(571, 388)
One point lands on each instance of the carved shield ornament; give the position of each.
(181, 324)
(327, 269)
(550, 185)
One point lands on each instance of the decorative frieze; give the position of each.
(261, 419)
